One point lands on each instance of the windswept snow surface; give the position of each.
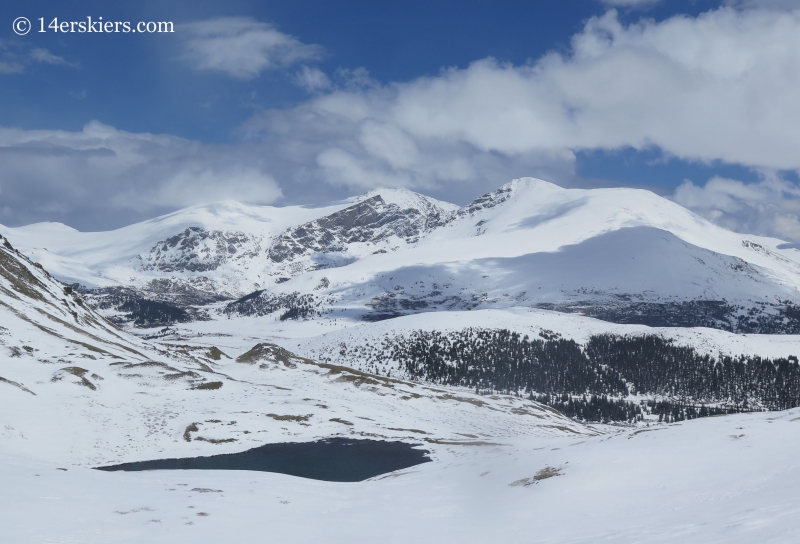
(504, 468)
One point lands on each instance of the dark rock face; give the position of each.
(489, 200)
(390, 305)
(198, 250)
(371, 220)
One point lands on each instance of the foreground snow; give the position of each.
(724, 479)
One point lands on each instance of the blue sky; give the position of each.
(306, 101)
(137, 83)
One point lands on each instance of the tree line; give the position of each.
(576, 378)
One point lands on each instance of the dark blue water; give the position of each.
(332, 460)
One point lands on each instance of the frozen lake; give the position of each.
(332, 460)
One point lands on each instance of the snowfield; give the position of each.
(727, 479)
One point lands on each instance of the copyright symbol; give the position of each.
(22, 26)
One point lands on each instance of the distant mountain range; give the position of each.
(621, 255)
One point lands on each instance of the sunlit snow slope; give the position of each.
(622, 255)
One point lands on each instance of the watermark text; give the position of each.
(88, 25)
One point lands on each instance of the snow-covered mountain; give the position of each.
(622, 255)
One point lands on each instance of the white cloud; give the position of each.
(202, 185)
(770, 207)
(101, 176)
(718, 87)
(350, 139)
(312, 79)
(355, 79)
(242, 47)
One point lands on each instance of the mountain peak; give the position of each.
(507, 191)
(405, 199)
(528, 185)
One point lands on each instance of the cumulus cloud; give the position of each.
(200, 185)
(242, 47)
(718, 87)
(350, 140)
(770, 207)
(101, 176)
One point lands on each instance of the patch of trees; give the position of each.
(606, 366)
(259, 303)
(150, 313)
(604, 409)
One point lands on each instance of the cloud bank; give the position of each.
(100, 175)
(718, 87)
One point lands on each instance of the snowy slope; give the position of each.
(623, 255)
(126, 255)
(726, 479)
(225, 247)
(42, 319)
(600, 252)
(350, 346)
